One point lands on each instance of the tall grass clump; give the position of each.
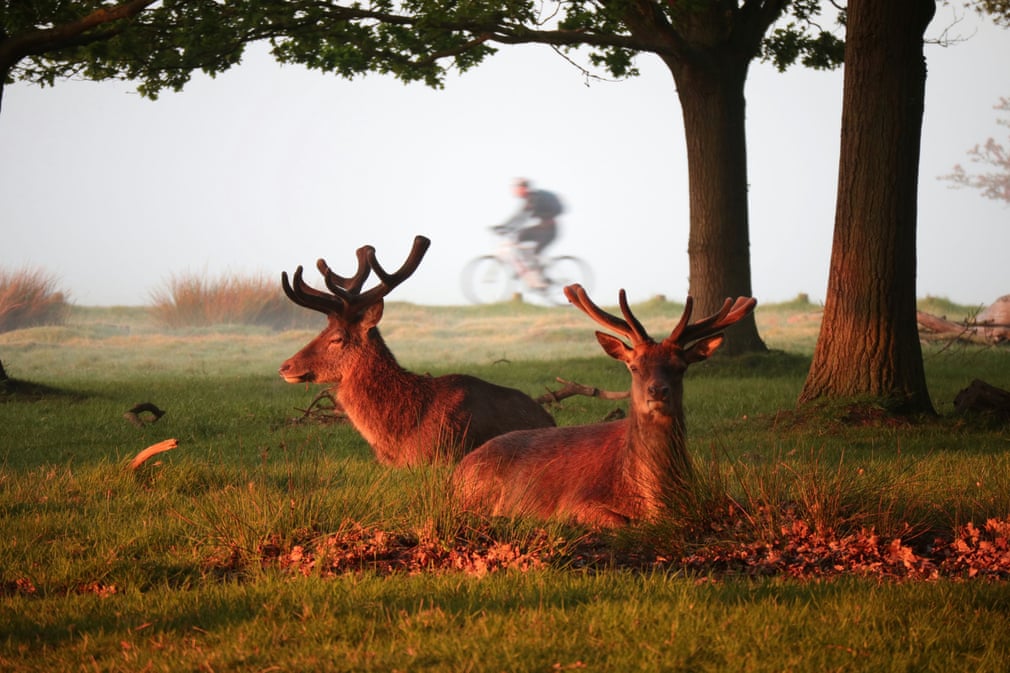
(28, 298)
(195, 301)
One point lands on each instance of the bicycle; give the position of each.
(495, 278)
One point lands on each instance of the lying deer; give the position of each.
(407, 418)
(605, 474)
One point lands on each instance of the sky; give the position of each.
(268, 167)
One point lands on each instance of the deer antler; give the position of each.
(630, 328)
(305, 295)
(346, 298)
(353, 284)
(730, 313)
(388, 281)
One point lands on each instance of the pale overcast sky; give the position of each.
(268, 167)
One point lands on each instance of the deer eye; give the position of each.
(337, 339)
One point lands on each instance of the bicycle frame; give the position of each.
(510, 251)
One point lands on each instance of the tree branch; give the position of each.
(36, 42)
(570, 389)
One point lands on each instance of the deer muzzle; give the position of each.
(658, 398)
(292, 374)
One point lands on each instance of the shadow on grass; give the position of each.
(16, 390)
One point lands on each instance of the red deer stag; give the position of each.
(408, 419)
(605, 474)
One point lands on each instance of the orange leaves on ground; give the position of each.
(976, 552)
(360, 548)
(799, 550)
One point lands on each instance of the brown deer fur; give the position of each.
(407, 418)
(605, 474)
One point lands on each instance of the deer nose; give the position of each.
(659, 391)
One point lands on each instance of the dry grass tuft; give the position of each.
(193, 301)
(28, 298)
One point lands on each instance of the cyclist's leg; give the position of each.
(541, 235)
(528, 243)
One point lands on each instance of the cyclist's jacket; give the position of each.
(540, 204)
(543, 204)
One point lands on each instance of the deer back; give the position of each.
(605, 474)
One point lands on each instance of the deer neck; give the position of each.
(385, 402)
(656, 464)
(376, 379)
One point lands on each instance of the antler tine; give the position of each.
(630, 328)
(637, 329)
(389, 281)
(730, 313)
(339, 285)
(309, 297)
(685, 318)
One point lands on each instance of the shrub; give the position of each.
(193, 301)
(28, 297)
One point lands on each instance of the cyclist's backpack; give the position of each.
(545, 204)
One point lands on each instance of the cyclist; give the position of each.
(544, 207)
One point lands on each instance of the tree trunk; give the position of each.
(711, 95)
(869, 341)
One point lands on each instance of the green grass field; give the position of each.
(270, 542)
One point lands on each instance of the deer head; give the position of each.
(657, 369)
(351, 313)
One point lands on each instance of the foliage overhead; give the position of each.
(160, 44)
(999, 10)
(994, 184)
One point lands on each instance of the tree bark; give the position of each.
(869, 343)
(711, 91)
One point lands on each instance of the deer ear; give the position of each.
(372, 315)
(614, 347)
(704, 348)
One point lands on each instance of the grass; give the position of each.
(550, 620)
(261, 543)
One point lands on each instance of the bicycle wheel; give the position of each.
(486, 280)
(565, 270)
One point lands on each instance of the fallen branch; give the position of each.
(571, 388)
(153, 450)
(324, 408)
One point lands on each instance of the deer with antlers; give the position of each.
(604, 474)
(408, 419)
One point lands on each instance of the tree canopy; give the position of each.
(159, 45)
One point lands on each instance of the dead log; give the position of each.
(990, 326)
(570, 389)
(981, 397)
(976, 332)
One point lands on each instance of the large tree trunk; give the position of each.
(869, 342)
(711, 95)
